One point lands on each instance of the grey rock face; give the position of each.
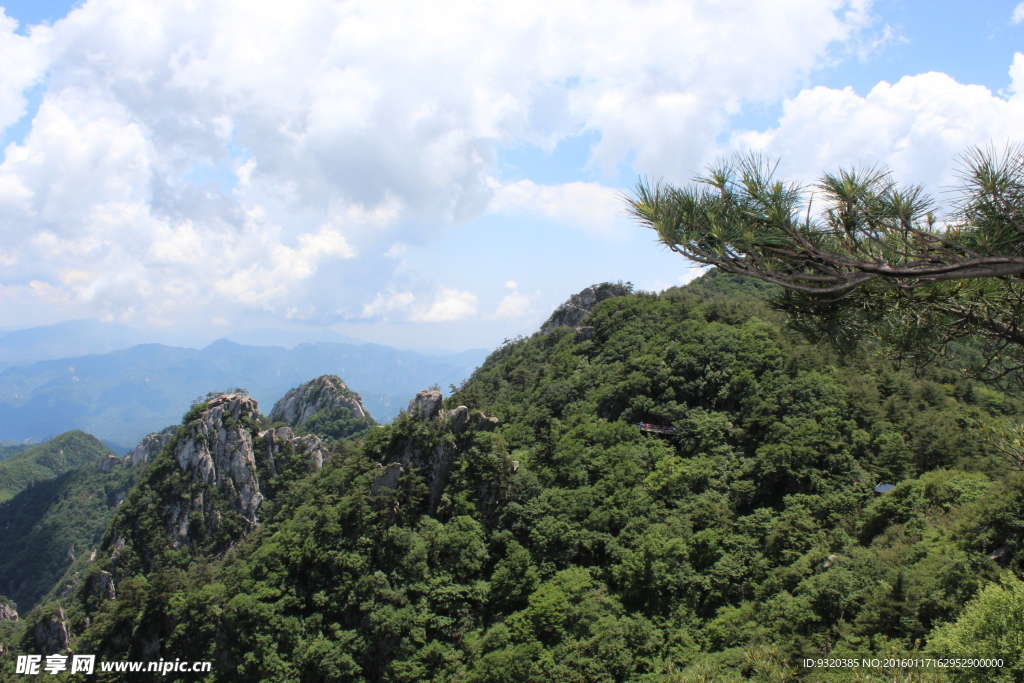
(7, 611)
(310, 445)
(434, 464)
(105, 585)
(584, 333)
(313, 449)
(387, 477)
(53, 634)
(327, 392)
(150, 445)
(482, 423)
(458, 418)
(109, 463)
(426, 405)
(570, 313)
(217, 449)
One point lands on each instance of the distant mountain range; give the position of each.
(124, 394)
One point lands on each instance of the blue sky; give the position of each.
(437, 176)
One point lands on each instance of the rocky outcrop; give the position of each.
(325, 393)
(8, 610)
(426, 405)
(105, 585)
(433, 463)
(217, 449)
(387, 477)
(149, 447)
(458, 418)
(52, 634)
(573, 311)
(309, 446)
(108, 463)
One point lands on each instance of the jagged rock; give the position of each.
(482, 423)
(458, 418)
(8, 610)
(150, 446)
(109, 463)
(71, 554)
(310, 445)
(570, 313)
(387, 477)
(434, 464)
(426, 405)
(217, 449)
(327, 392)
(52, 634)
(115, 550)
(68, 588)
(105, 585)
(584, 333)
(313, 449)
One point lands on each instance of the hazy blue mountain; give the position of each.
(125, 394)
(291, 338)
(64, 340)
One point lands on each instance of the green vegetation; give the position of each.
(8, 451)
(337, 422)
(863, 258)
(48, 526)
(569, 545)
(61, 454)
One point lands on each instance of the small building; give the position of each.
(884, 488)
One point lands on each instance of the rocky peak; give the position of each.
(8, 610)
(426, 405)
(435, 464)
(570, 313)
(327, 392)
(217, 449)
(150, 445)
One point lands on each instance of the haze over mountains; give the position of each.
(97, 377)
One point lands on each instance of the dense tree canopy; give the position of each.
(570, 545)
(859, 255)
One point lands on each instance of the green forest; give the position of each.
(740, 536)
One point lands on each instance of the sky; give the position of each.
(438, 174)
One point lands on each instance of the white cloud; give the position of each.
(23, 62)
(383, 305)
(1018, 14)
(513, 305)
(449, 305)
(591, 207)
(511, 284)
(190, 153)
(918, 126)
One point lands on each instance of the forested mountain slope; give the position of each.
(47, 527)
(560, 542)
(61, 454)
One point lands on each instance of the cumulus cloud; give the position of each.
(918, 126)
(188, 153)
(447, 305)
(590, 207)
(513, 305)
(1018, 14)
